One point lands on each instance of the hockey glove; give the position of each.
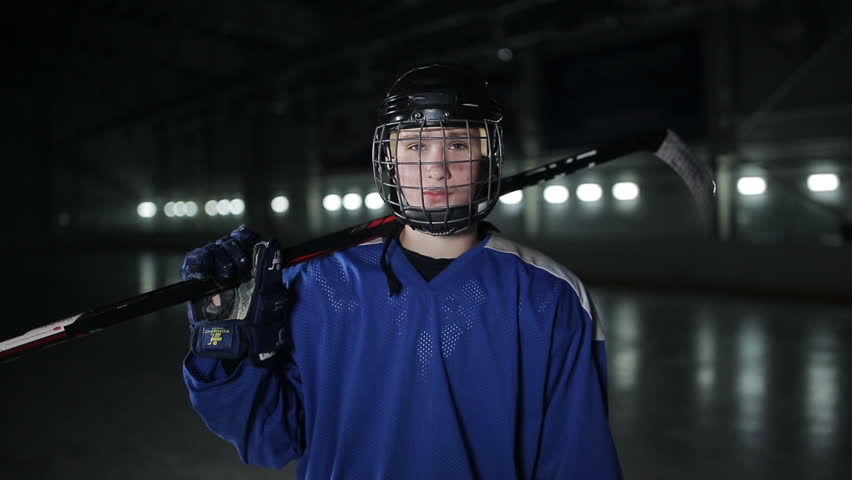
(249, 317)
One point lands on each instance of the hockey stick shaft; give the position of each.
(664, 144)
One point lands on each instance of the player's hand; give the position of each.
(227, 261)
(249, 317)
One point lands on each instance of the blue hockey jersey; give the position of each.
(494, 369)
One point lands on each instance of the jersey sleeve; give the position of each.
(576, 441)
(259, 410)
(256, 409)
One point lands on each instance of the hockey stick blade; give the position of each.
(664, 144)
(675, 153)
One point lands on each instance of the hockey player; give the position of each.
(441, 351)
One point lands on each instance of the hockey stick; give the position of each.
(665, 145)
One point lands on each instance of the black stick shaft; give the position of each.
(176, 293)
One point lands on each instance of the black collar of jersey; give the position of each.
(428, 267)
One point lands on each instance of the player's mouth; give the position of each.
(435, 197)
(435, 194)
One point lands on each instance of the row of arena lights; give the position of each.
(212, 208)
(352, 201)
(818, 182)
(236, 206)
(189, 208)
(592, 192)
(586, 192)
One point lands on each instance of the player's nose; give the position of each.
(436, 169)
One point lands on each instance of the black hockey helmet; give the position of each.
(423, 105)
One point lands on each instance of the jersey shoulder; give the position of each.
(365, 255)
(540, 264)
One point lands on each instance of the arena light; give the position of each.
(169, 209)
(180, 209)
(352, 201)
(280, 204)
(237, 206)
(625, 191)
(589, 192)
(223, 207)
(374, 201)
(751, 185)
(332, 202)
(146, 209)
(823, 182)
(191, 209)
(555, 194)
(211, 208)
(512, 198)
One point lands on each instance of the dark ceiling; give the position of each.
(90, 66)
(93, 65)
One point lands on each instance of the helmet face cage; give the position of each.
(441, 215)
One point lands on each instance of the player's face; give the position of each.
(445, 162)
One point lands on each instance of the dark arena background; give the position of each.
(136, 131)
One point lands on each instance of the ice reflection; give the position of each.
(147, 277)
(625, 329)
(752, 374)
(821, 389)
(705, 364)
(147, 272)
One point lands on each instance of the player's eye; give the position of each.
(457, 146)
(416, 147)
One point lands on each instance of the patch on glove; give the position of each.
(219, 339)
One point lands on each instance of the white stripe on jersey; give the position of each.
(372, 242)
(542, 261)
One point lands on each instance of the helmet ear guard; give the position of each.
(437, 98)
